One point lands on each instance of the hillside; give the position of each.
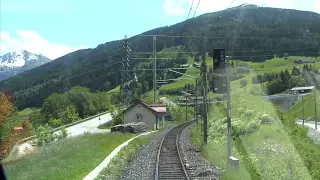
(248, 33)
(19, 61)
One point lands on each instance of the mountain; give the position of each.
(247, 32)
(16, 62)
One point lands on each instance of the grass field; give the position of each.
(180, 82)
(309, 107)
(107, 125)
(24, 114)
(265, 150)
(122, 160)
(65, 159)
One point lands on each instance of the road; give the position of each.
(89, 126)
(75, 130)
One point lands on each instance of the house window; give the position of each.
(139, 117)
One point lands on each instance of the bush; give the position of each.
(266, 119)
(54, 122)
(44, 135)
(252, 126)
(238, 127)
(27, 125)
(64, 133)
(243, 82)
(117, 120)
(248, 113)
(242, 70)
(70, 115)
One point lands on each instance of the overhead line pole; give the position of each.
(196, 106)
(155, 74)
(228, 107)
(205, 109)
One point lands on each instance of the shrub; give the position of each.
(248, 113)
(64, 133)
(243, 82)
(266, 119)
(70, 115)
(117, 119)
(242, 70)
(44, 135)
(54, 122)
(27, 125)
(238, 127)
(252, 126)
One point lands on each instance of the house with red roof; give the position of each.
(151, 115)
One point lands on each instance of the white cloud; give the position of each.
(181, 7)
(175, 7)
(317, 8)
(33, 42)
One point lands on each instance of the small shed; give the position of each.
(140, 111)
(302, 90)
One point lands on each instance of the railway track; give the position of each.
(169, 163)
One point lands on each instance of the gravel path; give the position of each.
(143, 165)
(314, 135)
(197, 166)
(312, 132)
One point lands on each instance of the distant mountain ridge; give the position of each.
(17, 62)
(247, 32)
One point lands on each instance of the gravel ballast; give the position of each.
(143, 165)
(197, 166)
(314, 135)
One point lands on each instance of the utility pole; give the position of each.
(228, 105)
(302, 111)
(196, 106)
(315, 109)
(186, 107)
(204, 76)
(155, 75)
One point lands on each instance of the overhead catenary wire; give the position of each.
(190, 10)
(256, 50)
(196, 9)
(230, 37)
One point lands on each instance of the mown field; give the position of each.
(65, 159)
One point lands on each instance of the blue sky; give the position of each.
(56, 27)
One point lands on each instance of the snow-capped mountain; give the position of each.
(18, 61)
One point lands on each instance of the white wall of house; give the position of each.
(147, 116)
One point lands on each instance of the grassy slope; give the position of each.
(267, 153)
(195, 72)
(66, 159)
(118, 164)
(24, 114)
(296, 110)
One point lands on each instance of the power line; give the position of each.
(231, 37)
(157, 58)
(146, 69)
(196, 9)
(190, 10)
(231, 4)
(195, 52)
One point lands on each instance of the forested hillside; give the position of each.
(247, 32)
